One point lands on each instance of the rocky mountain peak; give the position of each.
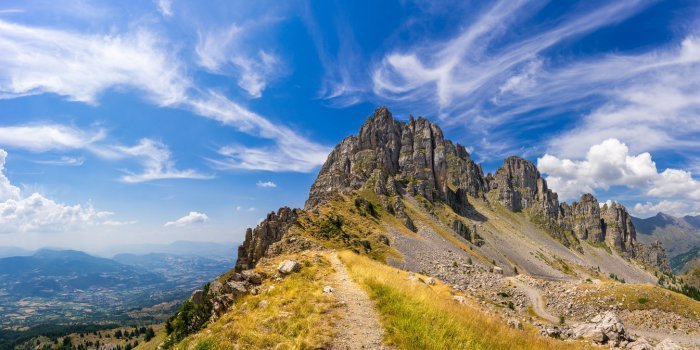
(396, 158)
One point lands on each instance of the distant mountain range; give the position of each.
(679, 235)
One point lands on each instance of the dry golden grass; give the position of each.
(642, 297)
(298, 315)
(153, 343)
(418, 316)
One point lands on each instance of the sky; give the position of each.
(153, 121)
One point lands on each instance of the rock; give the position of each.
(639, 344)
(262, 304)
(667, 344)
(197, 296)
(288, 266)
(515, 324)
(460, 299)
(497, 270)
(619, 230)
(258, 240)
(383, 239)
(653, 254)
(216, 288)
(328, 289)
(236, 287)
(252, 277)
(605, 328)
(430, 281)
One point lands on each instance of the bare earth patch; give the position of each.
(360, 327)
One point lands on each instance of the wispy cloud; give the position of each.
(230, 52)
(82, 66)
(157, 162)
(190, 219)
(165, 7)
(63, 161)
(266, 184)
(47, 137)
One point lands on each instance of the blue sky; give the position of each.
(153, 121)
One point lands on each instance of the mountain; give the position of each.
(405, 240)
(678, 234)
(14, 251)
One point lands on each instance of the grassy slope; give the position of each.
(426, 317)
(643, 297)
(298, 314)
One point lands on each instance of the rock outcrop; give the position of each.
(268, 232)
(605, 328)
(653, 254)
(413, 155)
(619, 230)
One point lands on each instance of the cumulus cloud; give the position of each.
(266, 184)
(606, 164)
(36, 213)
(609, 164)
(192, 218)
(47, 137)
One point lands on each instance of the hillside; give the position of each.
(678, 234)
(450, 257)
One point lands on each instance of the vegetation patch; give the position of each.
(426, 317)
(293, 313)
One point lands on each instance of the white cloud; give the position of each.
(226, 52)
(608, 164)
(36, 213)
(675, 208)
(63, 161)
(165, 7)
(157, 162)
(266, 184)
(81, 67)
(192, 218)
(47, 137)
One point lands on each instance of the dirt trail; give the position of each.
(536, 300)
(360, 327)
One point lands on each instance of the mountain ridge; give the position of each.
(394, 157)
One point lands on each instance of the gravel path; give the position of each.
(360, 327)
(539, 306)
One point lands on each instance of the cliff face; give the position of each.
(387, 151)
(412, 158)
(258, 240)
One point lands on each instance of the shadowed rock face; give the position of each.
(393, 157)
(263, 236)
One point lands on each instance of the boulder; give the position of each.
(289, 266)
(515, 324)
(216, 288)
(252, 277)
(497, 270)
(430, 281)
(605, 328)
(667, 344)
(197, 296)
(460, 299)
(236, 287)
(328, 289)
(640, 344)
